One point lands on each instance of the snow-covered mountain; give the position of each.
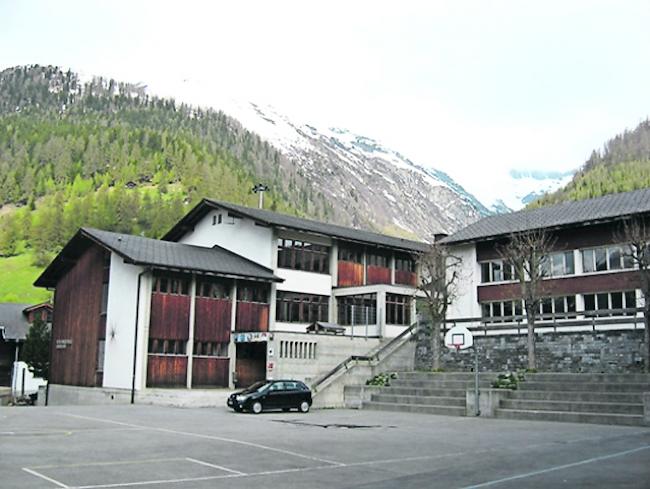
(523, 187)
(366, 181)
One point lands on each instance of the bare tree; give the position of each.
(527, 252)
(438, 276)
(636, 234)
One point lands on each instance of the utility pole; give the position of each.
(259, 189)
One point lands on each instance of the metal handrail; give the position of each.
(367, 358)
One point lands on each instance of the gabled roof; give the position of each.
(276, 219)
(584, 212)
(13, 322)
(155, 253)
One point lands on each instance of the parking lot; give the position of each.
(159, 447)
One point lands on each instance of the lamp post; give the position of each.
(259, 189)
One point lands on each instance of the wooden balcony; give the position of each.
(350, 274)
(210, 371)
(377, 275)
(252, 316)
(404, 277)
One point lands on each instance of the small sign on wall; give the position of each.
(63, 344)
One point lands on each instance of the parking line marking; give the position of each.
(99, 464)
(558, 467)
(208, 437)
(44, 477)
(225, 469)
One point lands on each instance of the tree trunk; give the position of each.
(532, 362)
(435, 344)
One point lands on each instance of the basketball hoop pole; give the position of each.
(477, 393)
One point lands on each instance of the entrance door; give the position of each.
(250, 363)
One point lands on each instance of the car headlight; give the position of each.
(240, 398)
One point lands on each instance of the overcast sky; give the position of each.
(475, 88)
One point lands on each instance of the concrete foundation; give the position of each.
(489, 400)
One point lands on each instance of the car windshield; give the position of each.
(256, 387)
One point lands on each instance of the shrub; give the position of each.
(383, 379)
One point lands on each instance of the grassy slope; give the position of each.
(16, 278)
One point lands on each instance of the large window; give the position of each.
(357, 309)
(302, 255)
(494, 312)
(609, 258)
(404, 264)
(212, 289)
(350, 253)
(247, 292)
(398, 309)
(171, 285)
(597, 304)
(503, 311)
(496, 271)
(301, 308)
(377, 259)
(558, 264)
(563, 307)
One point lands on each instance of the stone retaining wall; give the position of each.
(614, 351)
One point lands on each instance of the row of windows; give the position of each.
(357, 309)
(171, 285)
(302, 308)
(376, 259)
(305, 350)
(563, 307)
(301, 255)
(563, 263)
(167, 347)
(398, 309)
(210, 349)
(253, 293)
(212, 289)
(405, 264)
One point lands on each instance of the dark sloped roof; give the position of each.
(291, 222)
(156, 253)
(601, 209)
(13, 322)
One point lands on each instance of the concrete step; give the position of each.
(588, 377)
(585, 386)
(431, 400)
(446, 376)
(570, 417)
(566, 406)
(415, 408)
(577, 396)
(438, 384)
(412, 391)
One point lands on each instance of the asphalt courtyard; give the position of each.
(159, 447)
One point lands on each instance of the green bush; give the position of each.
(383, 379)
(506, 381)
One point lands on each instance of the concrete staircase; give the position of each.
(578, 398)
(426, 392)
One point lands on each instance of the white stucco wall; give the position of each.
(120, 326)
(304, 282)
(466, 302)
(240, 236)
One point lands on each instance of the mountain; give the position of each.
(525, 186)
(377, 184)
(623, 164)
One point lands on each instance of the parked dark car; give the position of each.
(272, 394)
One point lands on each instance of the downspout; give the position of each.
(135, 339)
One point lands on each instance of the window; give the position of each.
(159, 346)
(301, 255)
(247, 292)
(609, 258)
(600, 304)
(496, 271)
(558, 264)
(171, 285)
(398, 309)
(357, 309)
(554, 308)
(405, 264)
(377, 259)
(300, 350)
(351, 253)
(513, 311)
(212, 289)
(301, 308)
(210, 349)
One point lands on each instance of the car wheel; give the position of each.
(304, 407)
(257, 407)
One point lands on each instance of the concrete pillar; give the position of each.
(146, 285)
(391, 264)
(381, 313)
(365, 268)
(189, 351)
(232, 347)
(334, 264)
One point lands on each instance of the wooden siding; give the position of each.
(212, 319)
(77, 301)
(350, 274)
(170, 316)
(404, 277)
(210, 372)
(252, 316)
(581, 284)
(166, 371)
(377, 275)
